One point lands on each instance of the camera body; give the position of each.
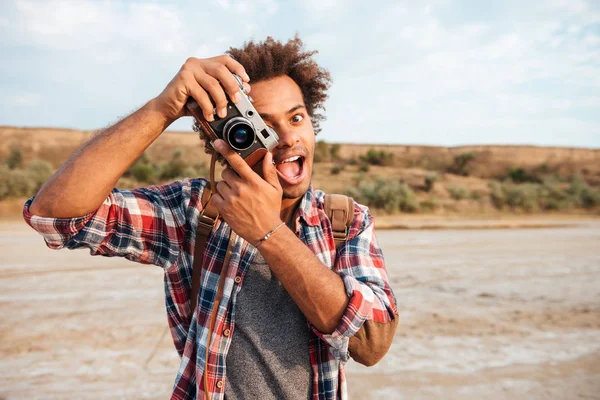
(242, 128)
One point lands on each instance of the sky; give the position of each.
(443, 72)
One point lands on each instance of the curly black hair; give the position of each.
(272, 58)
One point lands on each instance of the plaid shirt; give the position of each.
(157, 225)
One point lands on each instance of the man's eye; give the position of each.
(297, 118)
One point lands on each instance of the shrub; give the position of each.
(15, 157)
(458, 192)
(142, 170)
(430, 204)
(38, 172)
(14, 183)
(334, 151)
(174, 168)
(377, 157)
(336, 170)
(430, 181)
(364, 168)
(519, 175)
(321, 151)
(460, 163)
(391, 196)
(582, 194)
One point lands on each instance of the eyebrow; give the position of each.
(291, 110)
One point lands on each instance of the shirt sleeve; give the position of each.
(360, 263)
(144, 225)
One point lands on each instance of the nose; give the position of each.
(288, 136)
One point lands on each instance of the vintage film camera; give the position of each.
(243, 129)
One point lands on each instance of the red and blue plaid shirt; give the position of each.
(157, 225)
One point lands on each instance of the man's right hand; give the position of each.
(203, 80)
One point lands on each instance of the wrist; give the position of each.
(158, 113)
(269, 235)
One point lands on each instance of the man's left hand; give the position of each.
(248, 203)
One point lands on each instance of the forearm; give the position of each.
(84, 181)
(318, 291)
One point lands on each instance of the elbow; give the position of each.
(372, 342)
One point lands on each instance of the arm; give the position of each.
(84, 181)
(337, 303)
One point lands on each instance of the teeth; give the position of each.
(291, 159)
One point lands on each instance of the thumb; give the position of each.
(269, 171)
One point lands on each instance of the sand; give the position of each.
(493, 313)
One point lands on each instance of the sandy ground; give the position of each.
(494, 313)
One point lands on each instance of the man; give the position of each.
(293, 307)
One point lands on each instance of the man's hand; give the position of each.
(247, 202)
(199, 79)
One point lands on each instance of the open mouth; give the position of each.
(291, 169)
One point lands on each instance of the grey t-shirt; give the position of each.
(268, 357)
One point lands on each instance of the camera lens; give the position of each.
(239, 133)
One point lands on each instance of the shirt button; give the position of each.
(238, 279)
(220, 384)
(226, 332)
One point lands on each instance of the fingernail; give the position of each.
(218, 144)
(237, 97)
(222, 112)
(247, 77)
(209, 118)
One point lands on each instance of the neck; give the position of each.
(288, 207)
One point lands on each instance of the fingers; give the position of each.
(236, 162)
(228, 82)
(214, 89)
(230, 176)
(236, 68)
(202, 99)
(214, 78)
(224, 189)
(269, 171)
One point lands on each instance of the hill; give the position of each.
(440, 179)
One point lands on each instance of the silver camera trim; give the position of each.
(255, 121)
(235, 121)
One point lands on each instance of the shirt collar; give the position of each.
(307, 210)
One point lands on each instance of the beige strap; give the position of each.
(340, 210)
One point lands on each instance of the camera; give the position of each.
(242, 128)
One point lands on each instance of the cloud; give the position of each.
(445, 72)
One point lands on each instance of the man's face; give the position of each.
(280, 103)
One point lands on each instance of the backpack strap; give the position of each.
(340, 210)
(206, 222)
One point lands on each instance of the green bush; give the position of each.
(337, 169)
(391, 196)
(519, 175)
(458, 192)
(15, 157)
(430, 181)
(321, 151)
(142, 170)
(334, 151)
(460, 163)
(38, 172)
(174, 168)
(377, 157)
(582, 194)
(15, 183)
(430, 204)
(364, 168)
